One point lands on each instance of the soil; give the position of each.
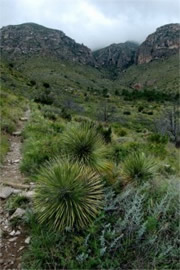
(12, 246)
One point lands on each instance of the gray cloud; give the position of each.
(95, 23)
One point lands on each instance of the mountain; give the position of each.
(163, 43)
(45, 56)
(30, 39)
(117, 56)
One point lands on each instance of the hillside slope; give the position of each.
(160, 75)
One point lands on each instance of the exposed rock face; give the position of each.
(33, 39)
(116, 55)
(29, 39)
(163, 43)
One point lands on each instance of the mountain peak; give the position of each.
(163, 42)
(30, 39)
(118, 56)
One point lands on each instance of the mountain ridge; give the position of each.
(29, 39)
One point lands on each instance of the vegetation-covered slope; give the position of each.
(103, 155)
(158, 75)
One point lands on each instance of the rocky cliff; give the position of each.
(118, 56)
(163, 43)
(29, 39)
(33, 39)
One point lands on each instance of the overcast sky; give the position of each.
(95, 23)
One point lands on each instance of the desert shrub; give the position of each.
(105, 132)
(140, 108)
(126, 112)
(133, 227)
(65, 114)
(67, 195)
(82, 143)
(44, 96)
(150, 113)
(120, 151)
(139, 166)
(42, 141)
(46, 85)
(39, 126)
(158, 138)
(82, 119)
(50, 112)
(11, 109)
(157, 150)
(7, 125)
(37, 151)
(122, 132)
(138, 229)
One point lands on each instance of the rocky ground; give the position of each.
(14, 238)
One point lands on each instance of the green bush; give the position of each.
(127, 112)
(122, 132)
(138, 228)
(65, 114)
(105, 132)
(16, 201)
(139, 166)
(140, 108)
(120, 151)
(37, 151)
(82, 143)
(4, 147)
(67, 195)
(8, 126)
(157, 149)
(158, 138)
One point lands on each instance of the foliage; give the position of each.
(16, 201)
(11, 109)
(139, 166)
(37, 151)
(106, 133)
(4, 146)
(120, 151)
(158, 138)
(82, 143)
(42, 142)
(67, 195)
(121, 132)
(138, 229)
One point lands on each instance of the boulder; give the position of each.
(5, 192)
(19, 213)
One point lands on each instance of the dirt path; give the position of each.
(12, 239)
(10, 170)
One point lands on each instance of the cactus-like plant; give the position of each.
(139, 166)
(67, 195)
(82, 143)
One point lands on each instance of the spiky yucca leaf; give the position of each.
(67, 195)
(82, 143)
(140, 166)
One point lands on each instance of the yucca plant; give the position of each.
(82, 143)
(139, 166)
(67, 195)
